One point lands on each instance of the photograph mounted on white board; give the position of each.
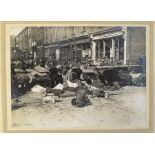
(78, 77)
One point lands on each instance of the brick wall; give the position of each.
(136, 43)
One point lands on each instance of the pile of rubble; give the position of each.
(83, 89)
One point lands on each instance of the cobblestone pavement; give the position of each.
(125, 108)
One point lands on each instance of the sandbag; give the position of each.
(68, 94)
(18, 70)
(38, 89)
(58, 90)
(41, 69)
(36, 73)
(124, 76)
(29, 70)
(136, 78)
(22, 78)
(31, 77)
(71, 84)
(58, 87)
(97, 84)
(89, 86)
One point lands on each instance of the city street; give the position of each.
(125, 108)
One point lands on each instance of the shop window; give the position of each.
(121, 53)
(119, 48)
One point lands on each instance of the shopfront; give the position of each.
(109, 45)
(81, 51)
(40, 52)
(75, 50)
(50, 51)
(64, 52)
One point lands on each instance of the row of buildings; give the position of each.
(88, 43)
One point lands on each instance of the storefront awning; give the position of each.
(50, 46)
(66, 44)
(83, 41)
(108, 35)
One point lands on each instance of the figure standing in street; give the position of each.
(53, 75)
(69, 74)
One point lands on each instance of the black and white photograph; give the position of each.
(78, 77)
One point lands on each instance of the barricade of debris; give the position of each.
(91, 83)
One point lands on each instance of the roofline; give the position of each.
(21, 31)
(106, 30)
